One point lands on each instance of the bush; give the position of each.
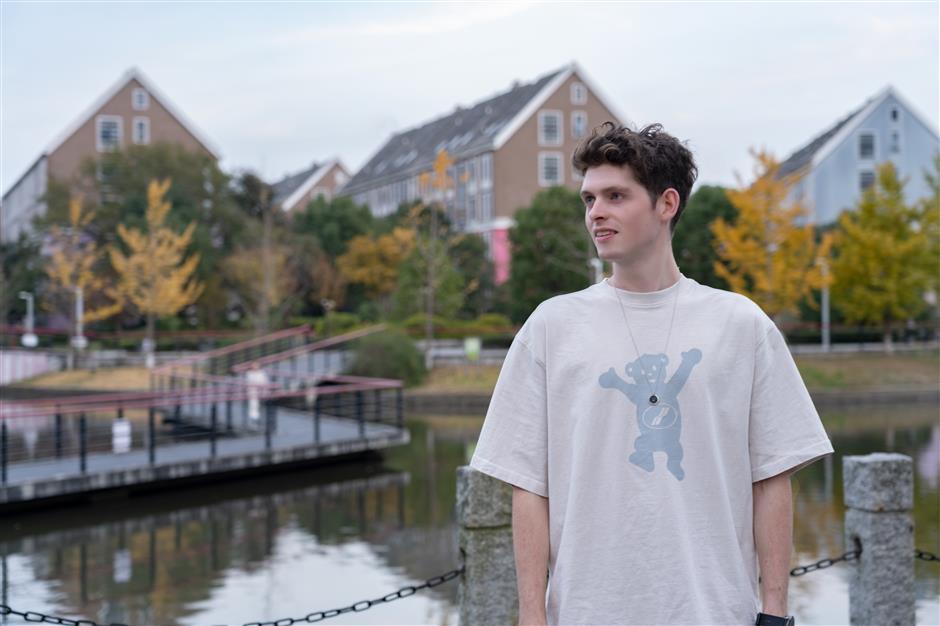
(388, 354)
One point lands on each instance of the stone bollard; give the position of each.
(879, 496)
(487, 591)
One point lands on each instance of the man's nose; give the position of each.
(597, 211)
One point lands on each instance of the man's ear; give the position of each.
(668, 204)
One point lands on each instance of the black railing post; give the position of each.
(212, 428)
(152, 434)
(399, 412)
(316, 420)
(268, 423)
(58, 434)
(3, 452)
(82, 442)
(228, 413)
(378, 406)
(360, 415)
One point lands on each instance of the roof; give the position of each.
(463, 133)
(285, 187)
(804, 156)
(289, 190)
(821, 146)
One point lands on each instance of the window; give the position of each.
(486, 170)
(486, 206)
(895, 114)
(108, 132)
(578, 124)
(141, 132)
(866, 178)
(472, 208)
(895, 142)
(578, 93)
(550, 172)
(550, 133)
(866, 146)
(140, 99)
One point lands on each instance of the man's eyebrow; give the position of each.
(606, 189)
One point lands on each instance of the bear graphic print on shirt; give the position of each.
(660, 423)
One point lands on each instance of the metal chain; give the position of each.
(926, 556)
(824, 563)
(404, 592)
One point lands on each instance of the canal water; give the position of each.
(288, 545)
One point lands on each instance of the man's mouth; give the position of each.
(603, 234)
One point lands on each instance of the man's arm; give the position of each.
(773, 537)
(530, 546)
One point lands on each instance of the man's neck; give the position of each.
(648, 274)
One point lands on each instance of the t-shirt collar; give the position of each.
(645, 299)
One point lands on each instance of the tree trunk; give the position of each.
(888, 344)
(264, 306)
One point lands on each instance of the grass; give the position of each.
(104, 379)
(823, 372)
(871, 370)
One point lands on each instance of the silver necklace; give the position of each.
(654, 398)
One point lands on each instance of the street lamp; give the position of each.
(29, 339)
(79, 342)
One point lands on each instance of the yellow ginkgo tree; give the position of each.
(71, 267)
(155, 275)
(374, 262)
(769, 253)
(885, 261)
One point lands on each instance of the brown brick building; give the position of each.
(505, 150)
(132, 111)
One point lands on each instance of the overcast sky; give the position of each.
(276, 86)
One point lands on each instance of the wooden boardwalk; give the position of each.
(292, 442)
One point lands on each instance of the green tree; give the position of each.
(884, 262)
(21, 271)
(409, 295)
(928, 216)
(334, 223)
(469, 254)
(551, 250)
(693, 242)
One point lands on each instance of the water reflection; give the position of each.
(288, 545)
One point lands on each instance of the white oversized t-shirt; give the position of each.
(650, 507)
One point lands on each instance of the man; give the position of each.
(648, 424)
(256, 380)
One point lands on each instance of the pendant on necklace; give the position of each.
(653, 399)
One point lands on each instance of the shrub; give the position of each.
(389, 354)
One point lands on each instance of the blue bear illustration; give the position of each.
(660, 423)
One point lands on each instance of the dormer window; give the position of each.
(140, 99)
(895, 114)
(578, 93)
(866, 146)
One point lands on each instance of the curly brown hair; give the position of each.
(658, 160)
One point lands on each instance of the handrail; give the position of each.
(310, 347)
(241, 345)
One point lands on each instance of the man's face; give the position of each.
(619, 214)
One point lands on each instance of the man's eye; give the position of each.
(616, 195)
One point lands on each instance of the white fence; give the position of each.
(17, 365)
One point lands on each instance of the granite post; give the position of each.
(487, 591)
(879, 496)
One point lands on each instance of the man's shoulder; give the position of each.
(563, 305)
(727, 303)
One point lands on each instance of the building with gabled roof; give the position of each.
(505, 149)
(132, 111)
(295, 191)
(836, 166)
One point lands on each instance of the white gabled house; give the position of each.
(836, 166)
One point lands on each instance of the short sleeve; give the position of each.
(513, 444)
(784, 429)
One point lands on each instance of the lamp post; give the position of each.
(824, 305)
(79, 342)
(29, 339)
